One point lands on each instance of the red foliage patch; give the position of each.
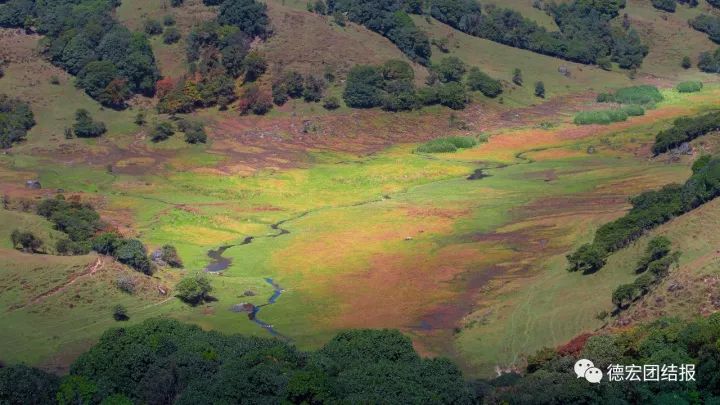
(575, 345)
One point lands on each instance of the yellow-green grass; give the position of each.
(387, 240)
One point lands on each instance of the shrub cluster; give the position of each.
(649, 210)
(709, 24)
(604, 117)
(585, 35)
(291, 84)
(709, 62)
(685, 129)
(689, 86)
(16, 119)
(82, 225)
(82, 37)
(447, 144)
(391, 86)
(642, 95)
(654, 266)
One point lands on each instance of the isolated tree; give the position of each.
(85, 127)
(132, 253)
(517, 77)
(120, 313)
(686, 62)
(540, 89)
(193, 289)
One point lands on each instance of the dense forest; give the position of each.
(163, 361)
(81, 36)
(586, 34)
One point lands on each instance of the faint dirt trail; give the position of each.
(89, 271)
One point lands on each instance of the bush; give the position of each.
(689, 86)
(633, 110)
(194, 289)
(168, 20)
(447, 144)
(517, 77)
(657, 248)
(125, 284)
(132, 252)
(665, 5)
(313, 88)
(362, 89)
(169, 255)
(152, 27)
(602, 117)
(479, 81)
(72, 248)
(686, 62)
(331, 103)
(85, 127)
(605, 98)
(162, 131)
(540, 89)
(27, 241)
(643, 95)
(20, 384)
(452, 95)
(171, 35)
(450, 69)
(120, 313)
(16, 118)
(255, 100)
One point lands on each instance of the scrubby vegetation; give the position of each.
(585, 35)
(689, 86)
(686, 129)
(649, 210)
(25, 240)
(86, 127)
(447, 144)
(84, 230)
(164, 361)
(16, 118)
(549, 378)
(110, 62)
(654, 266)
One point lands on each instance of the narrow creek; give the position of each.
(220, 263)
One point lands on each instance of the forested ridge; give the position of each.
(82, 37)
